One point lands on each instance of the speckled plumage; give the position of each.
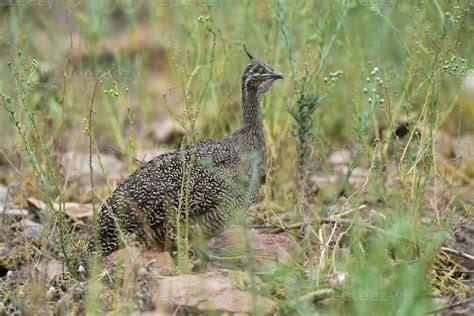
(212, 179)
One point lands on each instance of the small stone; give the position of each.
(31, 228)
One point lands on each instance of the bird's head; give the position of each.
(258, 76)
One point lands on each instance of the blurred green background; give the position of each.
(146, 50)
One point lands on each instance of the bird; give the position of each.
(203, 184)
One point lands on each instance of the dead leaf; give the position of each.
(36, 205)
(72, 209)
(78, 211)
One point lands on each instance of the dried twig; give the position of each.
(135, 159)
(458, 253)
(91, 137)
(455, 271)
(318, 295)
(451, 306)
(279, 227)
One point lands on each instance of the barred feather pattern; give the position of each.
(209, 181)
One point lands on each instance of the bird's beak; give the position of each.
(275, 75)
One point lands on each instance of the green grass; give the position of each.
(353, 70)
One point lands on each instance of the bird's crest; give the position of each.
(248, 54)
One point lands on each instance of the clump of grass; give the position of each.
(303, 114)
(188, 72)
(37, 146)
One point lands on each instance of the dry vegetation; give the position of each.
(367, 208)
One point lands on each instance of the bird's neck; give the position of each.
(249, 135)
(251, 116)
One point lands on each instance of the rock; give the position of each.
(49, 268)
(196, 293)
(31, 228)
(166, 130)
(339, 157)
(263, 247)
(77, 164)
(15, 212)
